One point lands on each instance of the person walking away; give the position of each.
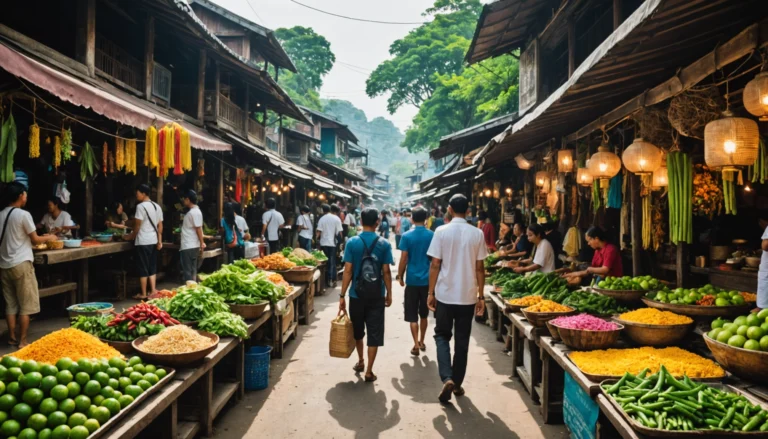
(543, 254)
(489, 232)
(384, 225)
(192, 243)
(57, 221)
(147, 236)
(606, 260)
(234, 244)
(350, 223)
(368, 278)
(439, 220)
(398, 227)
(272, 220)
(414, 265)
(304, 223)
(240, 221)
(405, 222)
(329, 230)
(17, 273)
(456, 280)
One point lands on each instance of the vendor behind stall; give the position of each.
(116, 217)
(607, 258)
(522, 247)
(543, 254)
(57, 221)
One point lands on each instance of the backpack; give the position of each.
(368, 282)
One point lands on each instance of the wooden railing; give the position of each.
(231, 113)
(305, 129)
(114, 61)
(256, 130)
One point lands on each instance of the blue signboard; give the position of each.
(579, 411)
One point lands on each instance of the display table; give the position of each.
(285, 326)
(526, 358)
(499, 317)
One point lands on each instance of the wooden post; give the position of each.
(85, 39)
(683, 267)
(571, 48)
(201, 84)
(217, 88)
(160, 186)
(246, 110)
(617, 14)
(637, 224)
(88, 226)
(149, 55)
(220, 193)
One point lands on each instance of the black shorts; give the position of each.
(368, 314)
(416, 303)
(146, 260)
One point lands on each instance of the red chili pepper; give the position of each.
(131, 327)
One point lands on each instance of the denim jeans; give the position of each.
(449, 319)
(330, 253)
(305, 243)
(397, 241)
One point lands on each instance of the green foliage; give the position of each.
(312, 55)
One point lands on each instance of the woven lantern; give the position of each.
(730, 142)
(583, 177)
(642, 157)
(541, 178)
(565, 160)
(756, 96)
(660, 177)
(522, 162)
(604, 164)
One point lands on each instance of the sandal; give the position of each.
(359, 366)
(371, 378)
(422, 347)
(140, 297)
(458, 391)
(415, 352)
(12, 342)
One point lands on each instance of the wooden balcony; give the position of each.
(228, 114)
(118, 65)
(256, 132)
(306, 129)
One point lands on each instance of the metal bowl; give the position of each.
(699, 311)
(744, 363)
(622, 295)
(655, 335)
(184, 359)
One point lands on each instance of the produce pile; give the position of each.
(299, 256)
(680, 169)
(662, 402)
(68, 342)
(319, 256)
(615, 362)
(584, 301)
(584, 322)
(549, 286)
(748, 332)
(195, 303)
(491, 260)
(706, 193)
(500, 277)
(275, 261)
(638, 283)
(224, 324)
(653, 316)
(525, 301)
(70, 399)
(175, 340)
(237, 287)
(134, 322)
(548, 306)
(707, 295)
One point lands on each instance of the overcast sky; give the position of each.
(359, 47)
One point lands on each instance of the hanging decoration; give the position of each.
(604, 164)
(614, 192)
(642, 157)
(542, 177)
(756, 96)
(583, 177)
(731, 142)
(660, 178)
(150, 148)
(523, 163)
(565, 160)
(707, 194)
(120, 153)
(56, 152)
(168, 149)
(130, 156)
(66, 145)
(88, 162)
(34, 140)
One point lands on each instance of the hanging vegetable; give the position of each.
(596, 195)
(66, 145)
(729, 193)
(150, 148)
(120, 153)
(759, 170)
(680, 169)
(7, 149)
(646, 207)
(110, 162)
(88, 163)
(130, 156)
(34, 141)
(56, 152)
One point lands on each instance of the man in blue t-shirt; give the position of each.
(367, 313)
(414, 263)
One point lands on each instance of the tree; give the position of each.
(312, 55)
(433, 49)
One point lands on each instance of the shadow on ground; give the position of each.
(462, 419)
(367, 420)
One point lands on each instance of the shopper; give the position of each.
(148, 239)
(57, 221)
(489, 231)
(521, 248)
(543, 254)
(456, 280)
(439, 220)
(304, 223)
(17, 274)
(192, 243)
(329, 230)
(350, 223)
(234, 243)
(272, 220)
(384, 225)
(398, 228)
(414, 265)
(240, 221)
(368, 278)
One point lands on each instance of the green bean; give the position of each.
(692, 405)
(614, 388)
(643, 373)
(764, 427)
(635, 393)
(673, 382)
(639, 409)
(728, 417)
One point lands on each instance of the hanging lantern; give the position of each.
(604, 164)
(756, 96)
(546, 186)
(541, 178)
(642, 157)
(731, 142)
(522, 162)
(583, 177)
(660, 177)
(565, 160)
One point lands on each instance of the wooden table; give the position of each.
(524, 339)
(282, 336)
(500, 316)
(81, 254)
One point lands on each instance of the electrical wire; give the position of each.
(355, 19)
(248, 2)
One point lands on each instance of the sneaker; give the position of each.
(445, 394)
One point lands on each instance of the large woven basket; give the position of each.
(249, 312)
(298, 275)
(540, 319)
(588, 340)
(342, 342)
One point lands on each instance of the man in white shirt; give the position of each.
(17, 274)
(240, 222)
(147, 236)
(192, 243)
(304, 223)
(329, 230)
(57, 221)
(456, 280)
(349, 223)
(272, 220)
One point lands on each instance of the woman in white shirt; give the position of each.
(543, 254)
(304, 223)
(57, 221)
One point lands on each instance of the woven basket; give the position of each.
(588, 340)
(540, 319)
(342, 342)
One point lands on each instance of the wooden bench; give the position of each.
(70, 288)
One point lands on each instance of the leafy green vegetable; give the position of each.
(287, 251)
(302, 262)
(225, 324)
(195, 303)
(97, 326)
(236, 287)
(320, 256)
(161, 302)
(491, 260)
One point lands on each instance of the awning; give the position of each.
(363, 191)
(471, 138)
(100, 97)
(321, 184)
(425, 184)
(339, 194)
(446, 190)
(336, 169)
(460, 174)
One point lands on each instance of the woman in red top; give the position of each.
(489, 232)
(607, 258)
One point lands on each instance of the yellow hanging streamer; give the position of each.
(150, 148)
(34, 141)
(57, 152)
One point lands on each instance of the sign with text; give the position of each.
(529, 77)
(579, 411)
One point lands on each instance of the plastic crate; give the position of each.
(257, 367)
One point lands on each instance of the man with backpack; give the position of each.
(367, 276)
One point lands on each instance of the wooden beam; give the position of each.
(246, 110)
(220, 193)
(618, 14)
(201, 84)
(149, 55)
(88, 207)
(85, 34)
(571, 48)
(217, 88)
(636, 224)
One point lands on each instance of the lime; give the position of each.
(85, 366)
(161, 373)
(753, 319)
(59, 392)
(64, 363)
(82, 378)
(737, 341)
(102, 365)
(125, 400)
(14, 389)
(79, 432)
(82, 403)
(755, 333)
(3, 372)
(48, 406)
(134, 391)
(740, 320)
(97, 400)
(21, 412)
(31, 380)
(101, 414)
(107, 392)
(2, 387)
(722, 302)
(152, 378)
(30, 366)
(57, 418)
(134, 361)
(37, 421)
(150, 368)
(92, 410)
(717, 323)
(112, 405)
(144, 384)
(127, 371)
(15, 373)
(723, 336)
(3, 417)
(117, 362)
(7, 402)
(113, 372)
(48, 383)
(764, 343)
(74, 368)
(74, 389)
(32, 397)
(713, 333)
(10, 361)
(92, 425)
(27, 433)
(48, 370)
(136, 377)
(92, 388)
(10, 428)
(61, 432)
(77, 419)
(67, 406)
(64, 377)
(124, 382)
(763, 314)
(102, 378)
(764, 327)
(45, 433)
(742, 330)
(117, 394)
(752, 345)
(113, 383)
(139, 368)
(730, 325)
(738, 300)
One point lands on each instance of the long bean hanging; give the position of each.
(680, 170)
(729, 193)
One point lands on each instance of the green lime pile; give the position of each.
(748, 332)
(628, 283)
(689, 296)
(70, 400)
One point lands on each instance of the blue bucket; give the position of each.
(257, 367)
